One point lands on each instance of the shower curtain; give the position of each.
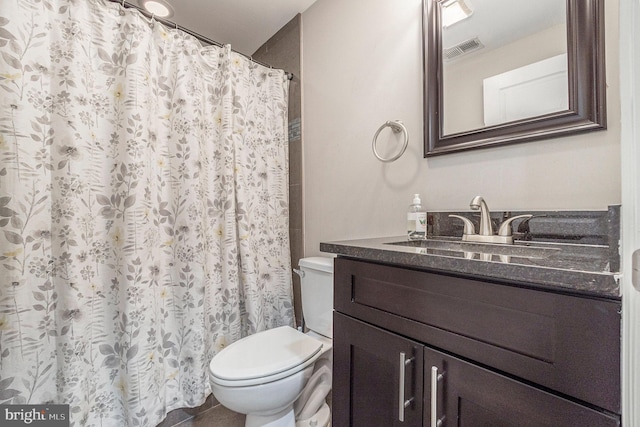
(143, 209)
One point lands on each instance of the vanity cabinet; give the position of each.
(506, 354)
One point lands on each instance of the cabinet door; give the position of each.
(369, 378)
(471, 396)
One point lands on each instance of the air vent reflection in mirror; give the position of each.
(462, 48)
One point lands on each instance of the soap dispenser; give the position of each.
(416, 220)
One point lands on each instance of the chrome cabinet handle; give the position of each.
(402, 403)
(435, 377)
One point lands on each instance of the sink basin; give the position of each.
(469, 248)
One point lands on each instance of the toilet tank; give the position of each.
(317, 294)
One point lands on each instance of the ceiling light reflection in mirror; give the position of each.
(454, 11)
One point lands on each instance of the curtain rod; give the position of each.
(200, 37)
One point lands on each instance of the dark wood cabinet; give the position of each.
(508, 356)
(376, 376)
(471, 396)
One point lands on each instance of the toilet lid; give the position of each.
(264, 354)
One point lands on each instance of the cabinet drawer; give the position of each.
(468, 395)
(566, 343)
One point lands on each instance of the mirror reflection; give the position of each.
(503, 61)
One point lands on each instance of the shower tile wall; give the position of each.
(281, 51)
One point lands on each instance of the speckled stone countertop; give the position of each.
(587, 269)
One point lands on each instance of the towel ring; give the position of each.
(396, 126)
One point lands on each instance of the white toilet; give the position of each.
(263, 375)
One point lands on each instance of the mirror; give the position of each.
(506, 71)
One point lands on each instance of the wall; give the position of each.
(362, 66)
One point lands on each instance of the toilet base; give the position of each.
(322, 418)
(285, 418)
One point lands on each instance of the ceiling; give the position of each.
(245, 24)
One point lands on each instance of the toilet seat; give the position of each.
(264, 357)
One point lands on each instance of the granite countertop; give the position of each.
(576, 268)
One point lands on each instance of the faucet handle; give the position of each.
(469, 228)
(505, 227)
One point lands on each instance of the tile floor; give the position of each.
(218, 416)
(209, 414)
(215, 416)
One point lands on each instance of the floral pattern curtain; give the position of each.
(143, 209)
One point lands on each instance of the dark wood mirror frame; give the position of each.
(587, 86)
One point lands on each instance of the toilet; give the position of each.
(267, 375)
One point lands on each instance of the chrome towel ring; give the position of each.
(396, 126)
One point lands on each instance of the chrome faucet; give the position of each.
(486, 235)
(486, 228)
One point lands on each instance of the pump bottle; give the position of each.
(416, 220)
